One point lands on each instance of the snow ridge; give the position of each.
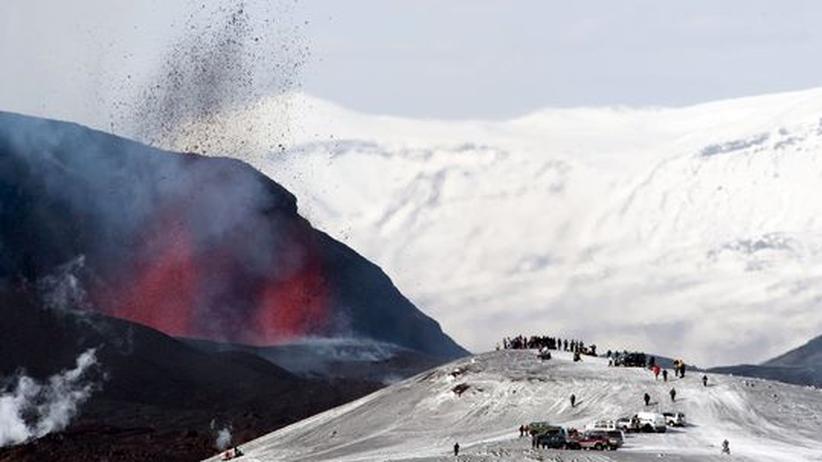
(420, 418)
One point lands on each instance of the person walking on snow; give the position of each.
(456, 449)
(673, 394)
(573, 400)
(726, 447)
(647, 399)
(665, 375)
(656, 372)
(704, 380)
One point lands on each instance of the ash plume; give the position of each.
(228, 59)
(30, 409)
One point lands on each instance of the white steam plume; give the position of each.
(223, 435)
(29, 409)
(223, 438)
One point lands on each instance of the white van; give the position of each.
(652, 422)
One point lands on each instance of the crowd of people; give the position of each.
(538, 342)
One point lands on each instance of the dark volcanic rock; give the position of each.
(156, 397)
(801, 366)
(193, 246)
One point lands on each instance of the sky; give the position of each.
(428, 58)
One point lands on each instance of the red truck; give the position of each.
(597, 441)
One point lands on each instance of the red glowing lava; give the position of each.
(185, 291)
(162, 290)
(293, 307)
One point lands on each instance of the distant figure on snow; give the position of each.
(647, 399)
(726, 447)
(573, 400)
(665, 375)
(679, 368)
(521, 431)
(656, 372)
(704, 380)
(456, 449)
(673, 394)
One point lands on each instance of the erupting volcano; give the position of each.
(193, 246)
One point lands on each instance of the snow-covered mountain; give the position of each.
(689, 232)
(419, 419)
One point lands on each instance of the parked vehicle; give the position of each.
(591, 440)
(675, 419)
(555, 438)
(537, 428)
(628, 424)
(602, 425)
(652, 422)
(634, 359)
(615, 438)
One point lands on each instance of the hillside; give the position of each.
(419, 419)
(808, 355)
(802, 366)
(657, 229)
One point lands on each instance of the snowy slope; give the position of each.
(690, 229)
(421, 418)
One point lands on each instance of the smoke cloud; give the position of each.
(30, 409)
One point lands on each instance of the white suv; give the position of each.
(674, 419)
(652, 422)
